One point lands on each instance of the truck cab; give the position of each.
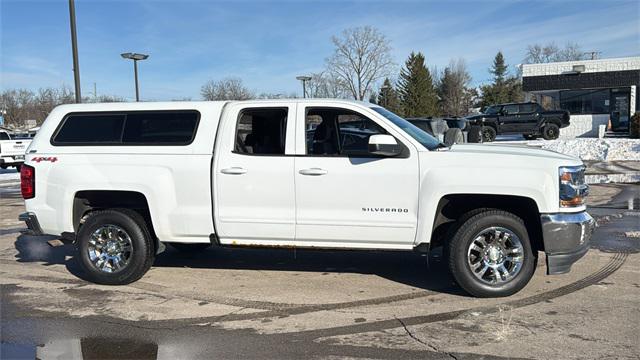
(123, 180)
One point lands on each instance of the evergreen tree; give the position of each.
(388, 97)
(505, 88)
(499, 69)
(418, 95)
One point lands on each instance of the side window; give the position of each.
(88, 128)
(338, 132)
(171, 127)
(510, 109)
(261, 131)
(167, 128)
(528, 108)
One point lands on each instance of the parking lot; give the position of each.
(289, 303)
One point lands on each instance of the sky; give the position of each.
(268, 43)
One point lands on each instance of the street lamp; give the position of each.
(304, 80)
(135, 57)
(385, 92)
(74, 50)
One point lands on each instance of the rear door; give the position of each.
(345, 196)
(527, 120)
(253, 174)
(508, 119)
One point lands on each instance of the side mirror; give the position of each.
(385, 145)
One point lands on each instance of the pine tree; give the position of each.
(505, 88)
(418, 95)
(499, 69)
(388, 97)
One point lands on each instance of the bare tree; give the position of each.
(537, 54)
(226, 89)
(456, 94)
(22, 104)
(327, 85)
(362, 57)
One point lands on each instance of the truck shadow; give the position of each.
(409, 268)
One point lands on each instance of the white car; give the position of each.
(122, 180)
(12, 150)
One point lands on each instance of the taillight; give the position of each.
(28, 181)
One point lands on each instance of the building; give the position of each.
(593, 91)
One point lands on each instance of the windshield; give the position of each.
(492, 110)
(415, 132)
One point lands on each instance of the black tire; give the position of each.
(550, 131)
(190, 248)
(488, 134)
(475, 134)
(453, 136)
(3, 166)
(142, 252)
(458, 249)
(18, 167)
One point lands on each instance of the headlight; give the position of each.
(573, 189)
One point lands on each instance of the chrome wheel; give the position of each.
(110, 248)
(495, 255)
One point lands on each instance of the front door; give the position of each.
(508, 119)
(620, 109)
(253, 175)
(345, 196)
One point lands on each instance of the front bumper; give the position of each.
(32, 223)
(566, 239)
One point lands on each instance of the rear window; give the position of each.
(128, 128)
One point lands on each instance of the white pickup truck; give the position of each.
(12, 150)
(123, 179)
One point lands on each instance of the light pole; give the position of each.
(135, 57)
(385, 91)
(304, 80)
(74, 49)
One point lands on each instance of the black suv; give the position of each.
(528, 119)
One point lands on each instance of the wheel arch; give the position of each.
(452, 207)
(87, 201)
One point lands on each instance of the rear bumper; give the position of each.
(32, 223)
(566, 239)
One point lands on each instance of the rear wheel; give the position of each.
(488, 134)
(550, 132)
(189, 248)
(115, 247)
(490, 254)
(453, 136)
(475, 134)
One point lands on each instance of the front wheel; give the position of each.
(115, 247)
(550, 132)
(490, 254)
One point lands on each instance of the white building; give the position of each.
(593, 91)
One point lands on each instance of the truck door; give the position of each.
(253, 174)
(508, 119)
(527, 120)
(345, 196)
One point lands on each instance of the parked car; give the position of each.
(449, 129)
(121, 180)
(528, 119)
(12, 150)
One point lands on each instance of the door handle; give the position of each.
(313, 172)
(234, 171)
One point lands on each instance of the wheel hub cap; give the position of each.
(495, 255)
(110, 248)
